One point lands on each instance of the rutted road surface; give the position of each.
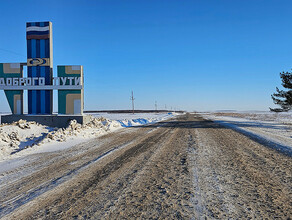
(185, 168)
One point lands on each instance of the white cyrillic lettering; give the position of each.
(77, 81)
(41, 81)
(64, 79)
(15, 81)
(56, 81)
(70, 80)
(33, 80)
(28, 81)
(2, 82)
(9, 81)
(21, 81)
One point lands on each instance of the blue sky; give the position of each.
(190, 55)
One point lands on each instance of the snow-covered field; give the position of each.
(24, 138)
(275, 127)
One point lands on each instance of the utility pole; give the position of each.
(132, 98)
(156, 106)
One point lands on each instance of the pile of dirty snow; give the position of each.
(21, 135)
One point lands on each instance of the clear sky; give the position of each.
(190, 55)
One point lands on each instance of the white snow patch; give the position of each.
(129, 120)
(276, 127)
(26, 138)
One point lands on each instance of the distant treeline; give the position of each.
(131, 111)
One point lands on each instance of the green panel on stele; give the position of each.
(14, 97)
(70, 101)
(62, 100)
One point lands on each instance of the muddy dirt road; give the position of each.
(186, 168)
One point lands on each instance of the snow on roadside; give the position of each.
(24, 138)
(129, 120)
(270, 126)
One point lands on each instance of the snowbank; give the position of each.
(22, 138)
(23, 135)
(129, 120)
(20, 135)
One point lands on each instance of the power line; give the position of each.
(132, 98)
(9, 51)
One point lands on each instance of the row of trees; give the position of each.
(283, 98)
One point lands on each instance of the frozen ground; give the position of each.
(24, 138)
(275, 127)
(183, 168)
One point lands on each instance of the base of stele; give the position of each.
(60, 121)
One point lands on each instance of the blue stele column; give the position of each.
(40, 64)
